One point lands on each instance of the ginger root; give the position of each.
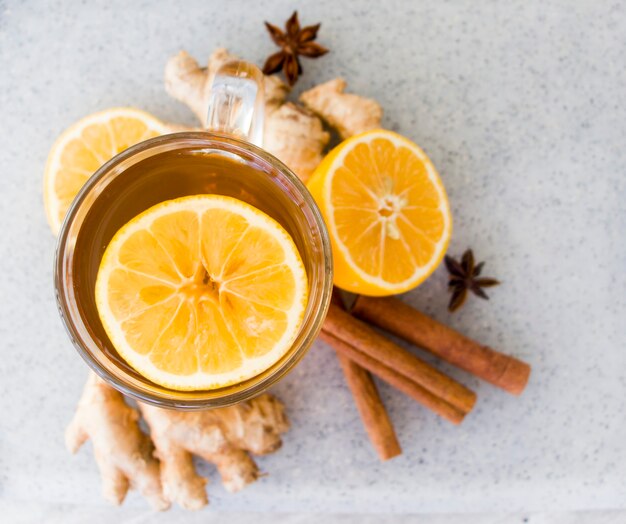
(350, 114)
(123, 453)
(221, 436)
(296, 137)
(126, 456)
(189, 83)
(291, 133)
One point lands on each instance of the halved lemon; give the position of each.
(201, 292)
(84, 147)
(386, 210)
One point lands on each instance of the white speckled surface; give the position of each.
(521, 106)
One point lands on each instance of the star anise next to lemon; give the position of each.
(464, 277)
(294, 42)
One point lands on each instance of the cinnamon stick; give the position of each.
(395, 379)
(406, 322)
(371, 409)
(364, 339)
(368, 402)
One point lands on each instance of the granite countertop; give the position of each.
(522, 107)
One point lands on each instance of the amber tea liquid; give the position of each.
(161, 177)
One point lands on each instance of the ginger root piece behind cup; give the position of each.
(292, 133)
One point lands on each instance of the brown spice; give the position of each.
(294, 42)
(402, 320)
(368, 402)
(371, 409)
(464, 277)
(380, 352)
(393, 378)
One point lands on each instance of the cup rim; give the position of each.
(80, 336)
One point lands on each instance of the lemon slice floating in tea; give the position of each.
(386, 210)
(84, 147)
(201, 292)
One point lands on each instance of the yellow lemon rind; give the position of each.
(348, 275)
(51, 203)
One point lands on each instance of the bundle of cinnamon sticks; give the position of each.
(362, 350)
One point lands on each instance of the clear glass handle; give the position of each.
(236, 101)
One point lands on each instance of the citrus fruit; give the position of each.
(386, 210)
(84, 147)
(201, 292)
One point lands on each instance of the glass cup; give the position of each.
(140, 177)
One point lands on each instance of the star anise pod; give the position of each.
(464, 277)
(294, 42)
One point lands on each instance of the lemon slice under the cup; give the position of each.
(84, 147)
(201, 292)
